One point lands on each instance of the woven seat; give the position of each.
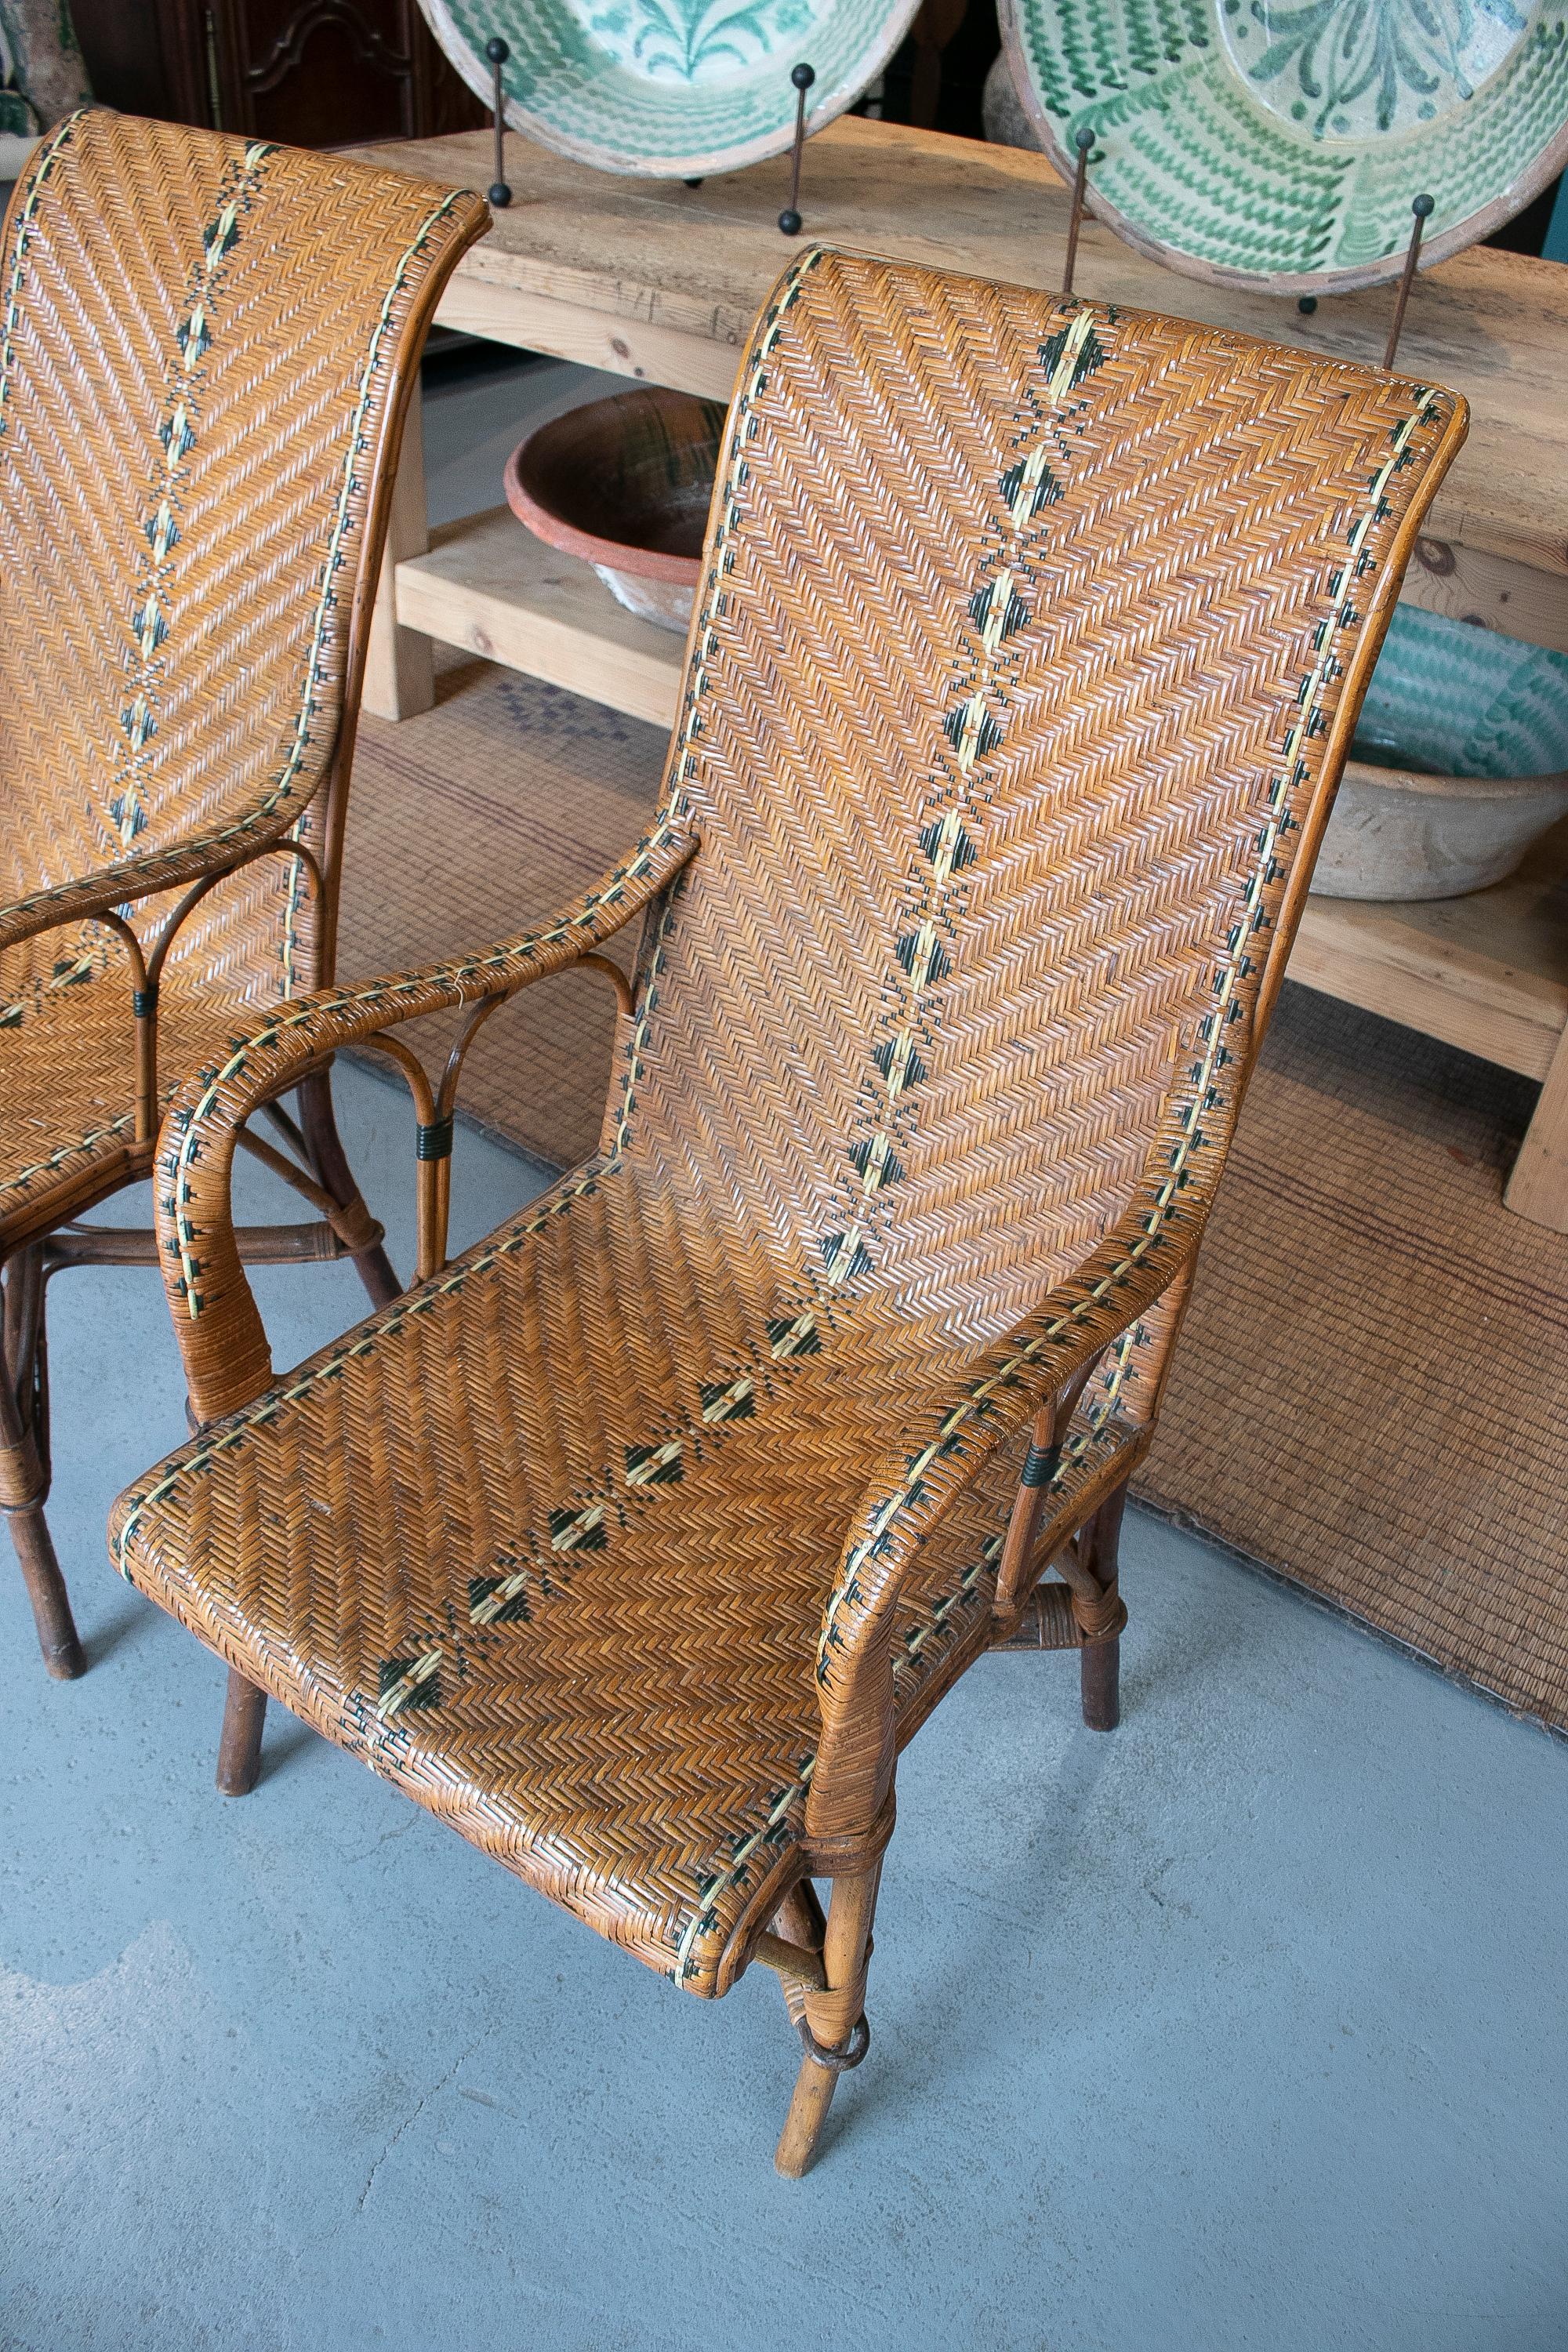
(637, 1542)
(71, 1116)
(598, 1647)
(70, 1119)
(207, 354)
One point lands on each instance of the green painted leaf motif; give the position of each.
(688, 40)
(1274, 137)
(1348, 68)
(1449, 699)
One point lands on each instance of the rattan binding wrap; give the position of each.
(635, 1542)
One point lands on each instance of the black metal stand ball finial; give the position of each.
(1420, 210)
(790, 221)
(1083, 140)
(498, 193)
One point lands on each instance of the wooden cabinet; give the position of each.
(312, 73)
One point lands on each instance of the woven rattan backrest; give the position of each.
(1023, 629)
(201, 344)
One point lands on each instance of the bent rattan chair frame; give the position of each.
(208, 349)
(1031, 640)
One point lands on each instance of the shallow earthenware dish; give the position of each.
(626, 484)
(671, 88)
(1278, 143)
(1459, 764)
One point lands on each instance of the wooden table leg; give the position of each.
(400, 670)
(1538, 1189)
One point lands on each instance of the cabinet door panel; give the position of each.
(312, 73)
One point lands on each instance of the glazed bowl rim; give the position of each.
(614, 554)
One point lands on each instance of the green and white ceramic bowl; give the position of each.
(674, 90)
(1278, 143)
(1459, 764)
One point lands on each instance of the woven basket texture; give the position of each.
(199, 339)
(1016, 664)
(1388, 1150)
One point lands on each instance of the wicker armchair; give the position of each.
(638, 1542)
(205, 358)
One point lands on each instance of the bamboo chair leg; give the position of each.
(58, 1640)
(1101, 1655)
(845, 1949)
(239, 1749)
(319, 1121)
(813, 2095)
(1099, 1672)
(25, 1462)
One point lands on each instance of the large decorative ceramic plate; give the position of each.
(1278, 143)
(1449, 699)
(672, 89)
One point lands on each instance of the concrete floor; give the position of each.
(1240, 2028)
(479, 403)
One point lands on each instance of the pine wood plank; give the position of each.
(399, 674)
(1488, 972)
(593, 338)
(1373, 955)
(1538, 1188)
(491, 587)
(1497, 591)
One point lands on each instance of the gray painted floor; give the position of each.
(1241, 2028)
(473, 422)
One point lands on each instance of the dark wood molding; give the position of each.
(313, 73)
(371, 48)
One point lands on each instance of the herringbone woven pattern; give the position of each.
(1028, 648)
(199, 339)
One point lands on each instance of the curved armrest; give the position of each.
(193, 858)
(990, 1401)
(226, 1358)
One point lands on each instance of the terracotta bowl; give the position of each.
(626, 484)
